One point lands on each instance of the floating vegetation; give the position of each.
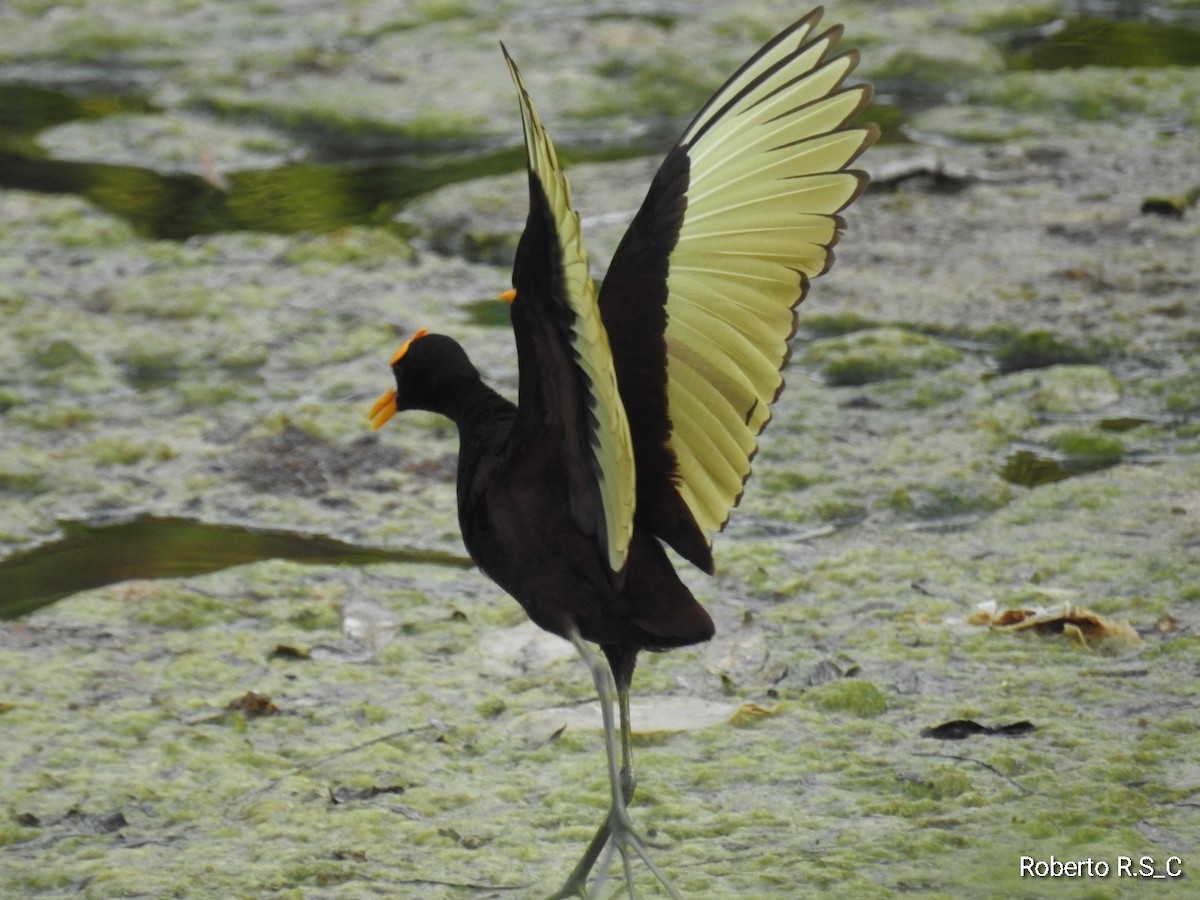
(1017, 350)
(878, 354)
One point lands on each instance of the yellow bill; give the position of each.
(384, 409)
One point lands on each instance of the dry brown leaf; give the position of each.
(1076, 622)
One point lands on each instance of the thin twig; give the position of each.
(979, 762)
(324, 759)
(461, 885)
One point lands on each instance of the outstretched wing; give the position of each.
(568, 384)
(699, 301)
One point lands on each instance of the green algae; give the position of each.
(914, 66)
(349, 246)
(834, 325)
(1061, 389)
(668, 86)
(1181, 394)
(58, 354)
(125, 450)
(957, 497)
(1089, 95)
(867, 356)
(1103, 449)
(1038, 349)
(852, 695)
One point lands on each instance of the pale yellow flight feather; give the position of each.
(610, 442)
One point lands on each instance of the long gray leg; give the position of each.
(617, 827)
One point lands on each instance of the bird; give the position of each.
(640, 401)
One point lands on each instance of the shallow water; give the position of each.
(345, 180)
(93, 555)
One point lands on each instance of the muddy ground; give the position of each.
(1008, 309)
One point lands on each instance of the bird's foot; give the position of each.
(616, 834)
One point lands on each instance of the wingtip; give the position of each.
(808, 20)
(512, 67)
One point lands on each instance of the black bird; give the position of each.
(639, 403)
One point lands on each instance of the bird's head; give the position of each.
(431, 370)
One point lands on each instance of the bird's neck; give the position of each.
(481, 414)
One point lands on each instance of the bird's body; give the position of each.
(562, 582)
(639, 403)
(514, 510)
